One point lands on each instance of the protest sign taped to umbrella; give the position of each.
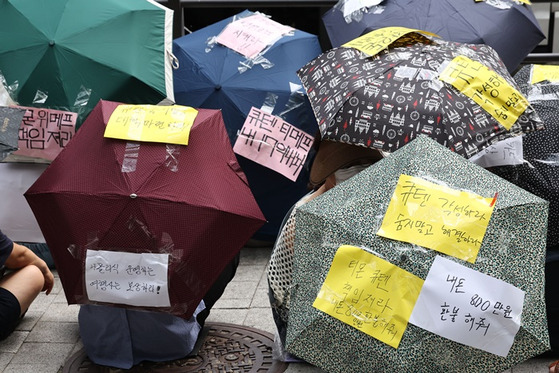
(435, 216)
(540, 73)
(152, 123)
(369, 293)
(45, 132)
(272, 142)
(469, 307)
(251, 35)
(504, 153)
(378, 40)
(487, 88)
(136, 279)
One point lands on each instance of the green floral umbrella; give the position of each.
(69, 54)
(512, 250)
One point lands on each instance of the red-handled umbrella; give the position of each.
(190, 203)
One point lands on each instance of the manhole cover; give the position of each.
(223, 348)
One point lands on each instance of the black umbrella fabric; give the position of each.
(384, 88)
(508, 27)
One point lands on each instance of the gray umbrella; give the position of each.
(10, 121)
(512, 250)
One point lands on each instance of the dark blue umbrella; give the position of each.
(512, 30)
(209, 77)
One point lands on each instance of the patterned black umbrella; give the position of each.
(512, 250)
(385, 100)
(540, 173)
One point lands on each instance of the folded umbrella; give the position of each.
(511, 29)
(185, 209)
(512, 251)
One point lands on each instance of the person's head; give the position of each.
(335, 162)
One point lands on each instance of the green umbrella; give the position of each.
(69, 54)
(512, 250)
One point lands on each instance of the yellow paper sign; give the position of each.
(434, 216)
(545, 72)
(369, 293)
(377, 40)
(152, 123)
(487, 88)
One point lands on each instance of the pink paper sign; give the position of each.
(45, 132)
(272, 142)
(250, 35)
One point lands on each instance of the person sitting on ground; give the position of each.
(23, 275)
(334, 163)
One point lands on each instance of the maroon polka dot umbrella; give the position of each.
(190, 203)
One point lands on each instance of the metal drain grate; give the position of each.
(224, 348)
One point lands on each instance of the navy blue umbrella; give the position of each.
(511, 29)
(213, 76)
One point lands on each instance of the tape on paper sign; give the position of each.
(378, 40)
(369, 293)
(127, 278)
(434, 216)
(487, 88)
(152, 123)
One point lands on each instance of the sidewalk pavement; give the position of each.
(49, 333)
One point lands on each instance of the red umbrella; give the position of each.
(191, 202)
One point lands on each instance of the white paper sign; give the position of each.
(17, 220)
(508, 152)
(351, 6)
(127, 278)
(469, 307)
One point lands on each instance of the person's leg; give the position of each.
(25, 284)
(9, 313)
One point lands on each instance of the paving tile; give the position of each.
(61, 312)
(230, 316)
(29, 321)
(260, 318)
(32, 368)
(232, 303)
(47, 354)
(302, 368)
(239, 290)
(248, 273)
(50, 331)
(535, 365)
(261, 299)
(5, 358)
(13, 342)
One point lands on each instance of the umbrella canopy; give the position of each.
(68, 54)
(209, 77)
(512, 250)
(191, 203)
(10, 121)
(511, 29)
(539, 174)
(385, 99)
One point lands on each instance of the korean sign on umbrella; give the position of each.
(510, 27)
(67, 54)
(385, 296)
(386, 87)
(136, 222)
(250, 61)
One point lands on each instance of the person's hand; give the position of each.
(47, 274)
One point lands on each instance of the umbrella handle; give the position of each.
(174, 60)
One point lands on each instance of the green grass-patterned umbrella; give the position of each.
(512, 250)
(66, 53)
